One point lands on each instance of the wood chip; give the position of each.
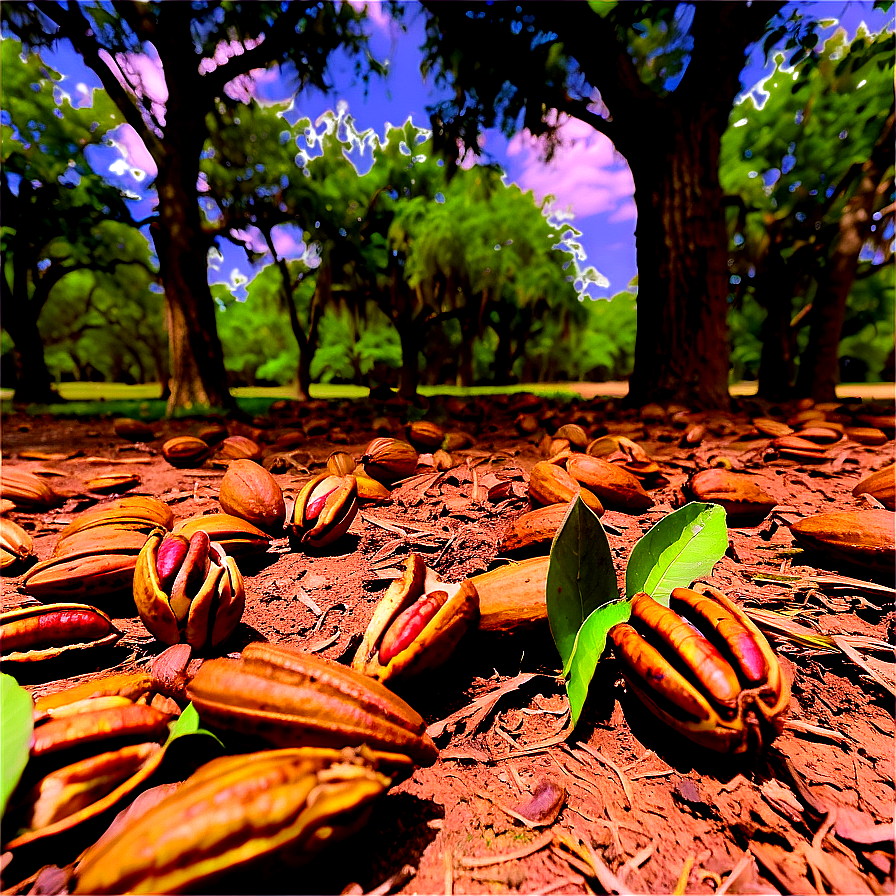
(537, 844)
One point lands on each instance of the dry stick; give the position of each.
(604, 876)
(483, 862)
(745, 860)
(683, 877)
(449, 872)
(623, 778)
(800, 726)
(637, 860)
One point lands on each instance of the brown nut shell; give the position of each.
(287, 697)
(186, 451)
(614, 486)
(742, 499)
(864, 538)
(250, 492)
(533, 530)
(237, 536)
(239, 448)
(550, 484)
(669, 673)
(880, 485)
(389, 460)
(324, 509)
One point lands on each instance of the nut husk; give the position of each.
(864, 538)
(16, 545)
(133, 430)
(32, 634)
(203, 613)
(250, 492)
(742, 499)
(880, 485)
(550, 484)
(513, 597)
(435, 642)
(388, 460)
(139, 513)
(239, 448)
(324, 509)
(286, 697)
(614, 486)
(235, 811)
(237, 536)
(533, 530)
(186, 451)
(425, 435)
(25, 490)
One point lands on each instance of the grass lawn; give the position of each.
(142, 402)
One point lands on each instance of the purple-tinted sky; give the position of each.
(591, 183)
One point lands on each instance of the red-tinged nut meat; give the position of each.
(701, 666)
(324, 510)
(417, 625)
(188, 591)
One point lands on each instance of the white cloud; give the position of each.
(586, 173)
(133, 153)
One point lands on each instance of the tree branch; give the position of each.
(260, 56)
(73, 25)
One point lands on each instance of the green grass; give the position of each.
(142, 402)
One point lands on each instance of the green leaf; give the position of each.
(187, 724)
(602, 7)
(681, 547)
(581, 577)
(15, 741)
(587, 650)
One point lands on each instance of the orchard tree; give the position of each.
(659, 81)
(199, 49)
(59, 216)
(810, 173)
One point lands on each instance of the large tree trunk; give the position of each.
(681, 348)
(33, 380)
(197, 360)
(819, 365)
(409, 336)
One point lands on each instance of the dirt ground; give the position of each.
(658, 812)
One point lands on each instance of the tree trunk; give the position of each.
(33, 380)
(819, 365)
(410, 366)
(681, 348)
(198, 376)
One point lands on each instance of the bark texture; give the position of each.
(819, 366)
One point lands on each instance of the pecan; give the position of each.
(704, 668)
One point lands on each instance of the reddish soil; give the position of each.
(660, 813)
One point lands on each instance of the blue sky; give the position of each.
(591, 183)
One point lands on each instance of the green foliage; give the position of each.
(581, 591)
(15, 709)
(681, 547)
(792, 165)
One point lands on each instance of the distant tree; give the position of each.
(810, 174)
(659, 81)
(107, 320)
(200, 49)
(59, 215)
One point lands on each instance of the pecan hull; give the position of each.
(709, 673)
(289, 698)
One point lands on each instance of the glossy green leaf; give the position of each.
(581, 577)
(188, 723)
(680, 548)
(16, 708)
(587, 650)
